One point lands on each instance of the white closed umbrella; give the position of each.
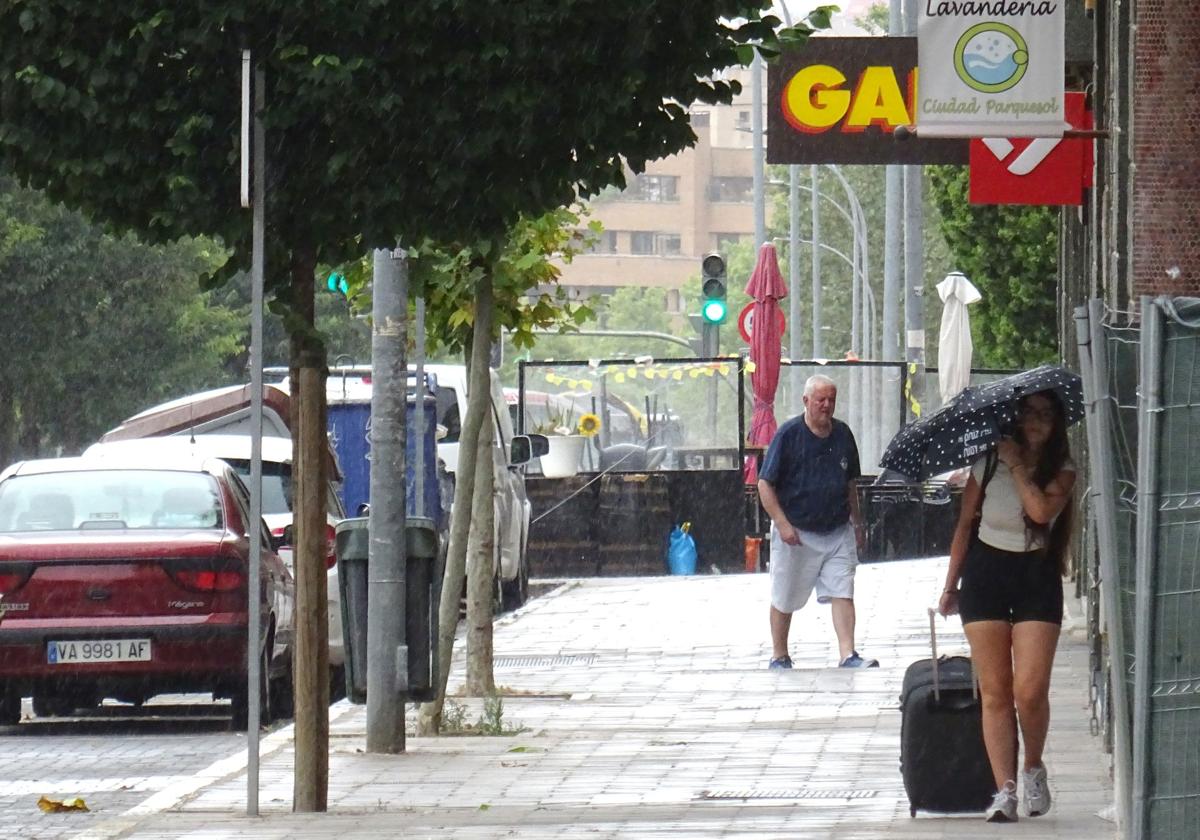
(954, 339)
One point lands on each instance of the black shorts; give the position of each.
(1011, 586)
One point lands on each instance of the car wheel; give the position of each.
(337, 683)
(283, 696)
(10, 707)
(516, 592)
(240, 701)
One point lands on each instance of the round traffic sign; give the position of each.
(746, 321)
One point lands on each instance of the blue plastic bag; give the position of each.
(681, 553)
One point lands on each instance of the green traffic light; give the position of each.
(714, 311)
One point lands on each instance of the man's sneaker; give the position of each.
(1004, 804)
(780, 662)
(1037, 792)
(856, 661)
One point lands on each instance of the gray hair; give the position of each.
(817, 380)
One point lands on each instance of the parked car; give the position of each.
(126, 577)
(234, 449)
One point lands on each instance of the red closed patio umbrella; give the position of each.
(766, 287)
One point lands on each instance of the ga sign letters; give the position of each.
(839, 100)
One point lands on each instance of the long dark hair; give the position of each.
(1055, 538)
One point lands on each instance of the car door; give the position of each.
(509, 487)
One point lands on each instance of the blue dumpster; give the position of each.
(350, 430)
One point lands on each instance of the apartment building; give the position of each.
(682, 207)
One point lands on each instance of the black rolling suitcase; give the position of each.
(942, 757)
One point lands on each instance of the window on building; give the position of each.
(721, 241)
(653, 188)
(668, 245)
(605, 243)
(641, 242)
(733, 188)
(653, 243)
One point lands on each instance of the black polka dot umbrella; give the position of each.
(970, 425)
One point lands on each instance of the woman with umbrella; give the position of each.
(1011, 592)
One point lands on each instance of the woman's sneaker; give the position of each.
(1004, 804)
(1037, 791)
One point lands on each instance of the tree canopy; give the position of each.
(98, 326)
(446, 120)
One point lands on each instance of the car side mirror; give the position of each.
(284, 539)
(524, 448)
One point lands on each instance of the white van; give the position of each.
(512, 507)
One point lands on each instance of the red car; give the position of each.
(127, 578)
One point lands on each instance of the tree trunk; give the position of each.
(481, 553)
(309, 477)
(8, 424)
(430, 718)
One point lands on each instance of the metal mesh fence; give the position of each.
(1122, 342)
(1166, 730)
(1142, 378)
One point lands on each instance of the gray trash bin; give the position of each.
(423, 586)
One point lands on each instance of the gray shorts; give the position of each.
(825, 562)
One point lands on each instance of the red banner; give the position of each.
(1045, 170)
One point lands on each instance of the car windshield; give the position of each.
(108, 499)
(276, 484)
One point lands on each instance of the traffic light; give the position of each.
(713, 307)
(336, 283)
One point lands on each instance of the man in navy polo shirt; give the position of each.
(806, 485)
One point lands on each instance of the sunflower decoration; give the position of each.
(589, 425)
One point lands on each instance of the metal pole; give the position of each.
(387, 652)
(914, 262)
(796, 379)
(254, 620)
(795, 350)
(419, 414)
(817, 344)
(756, 128)
(893, 258)
(1090, 336)
(1149, 421)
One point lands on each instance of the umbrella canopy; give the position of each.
(766, 287)
(974, 422)
(954, 338)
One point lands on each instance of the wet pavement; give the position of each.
(642, 707)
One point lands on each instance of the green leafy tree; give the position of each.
(1011, 255)
(76, 295)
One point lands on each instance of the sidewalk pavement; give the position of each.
(649, 712)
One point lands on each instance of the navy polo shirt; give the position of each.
(809, 474)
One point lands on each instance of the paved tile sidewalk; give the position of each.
(650, 713)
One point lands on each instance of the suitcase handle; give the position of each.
(937, 681)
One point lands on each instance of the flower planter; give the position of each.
(564, 457)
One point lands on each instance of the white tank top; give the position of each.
(1002, 525)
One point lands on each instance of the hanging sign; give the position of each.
(991, 68)
(1042, 170)
(839, 100)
